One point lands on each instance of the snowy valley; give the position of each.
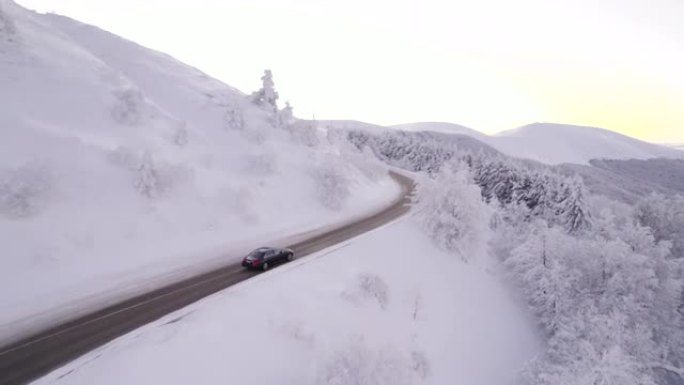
(548, 254)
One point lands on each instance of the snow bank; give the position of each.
(372, 311)
(122, 168)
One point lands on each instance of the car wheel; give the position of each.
(264, 267)
(290, 256)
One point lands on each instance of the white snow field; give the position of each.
(122, 168)
(552, 143)
(384, 308)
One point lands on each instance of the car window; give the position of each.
(256, 254)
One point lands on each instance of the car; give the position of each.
(265, 257)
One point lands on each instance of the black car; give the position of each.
(265, 257)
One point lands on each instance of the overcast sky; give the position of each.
(488, 64)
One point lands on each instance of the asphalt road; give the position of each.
(41, 353)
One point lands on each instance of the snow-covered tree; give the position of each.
(665, 217)
(286, 116)
(7, 27)
(266, 97)
(235, 116)
(332, 183)
(180, 137)
(24, 191)
(453, 213)
(148, 181)
(305, 132)
(130, 108)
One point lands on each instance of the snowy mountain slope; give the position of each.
(552, 143)
(560, 143)
(447, 128)
(347, 316)
(350, 124)
(119, 164)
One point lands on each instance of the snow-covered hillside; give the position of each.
(373, 311)
(446, 128)
(558, 143)
(561, 143)
(119, 163)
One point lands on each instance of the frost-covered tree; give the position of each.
(571, 206)
(332, 183)
(235, 116)
(665, 217)
(148, 180)
(286, 116)
(180, 137)
(129, 108)
(305, 132)
(266, 97)
(24, 191)
(453, 213)
(7, 27)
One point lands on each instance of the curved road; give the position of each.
(39, 354)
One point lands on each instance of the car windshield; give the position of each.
(256, 254)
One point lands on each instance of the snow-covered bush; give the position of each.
(332, 183)
(129, 108)
(153, 179)
(24, 191)
(359, 364)
(235, 116)
(286, 116)
(180, 137)
(305, 132)
(260, 164)
(370, 287)
(148, 180)
(452, 212)
(8, 29)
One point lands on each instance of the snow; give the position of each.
(678, 146)
(121, 169)
(554, 144)
(446, 128)
(372, 311)
(559, 143)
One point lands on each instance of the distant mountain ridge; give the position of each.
(553, 143)
(447, 128)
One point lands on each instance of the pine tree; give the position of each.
(267, 97)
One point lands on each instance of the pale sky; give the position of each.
(487, 64)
